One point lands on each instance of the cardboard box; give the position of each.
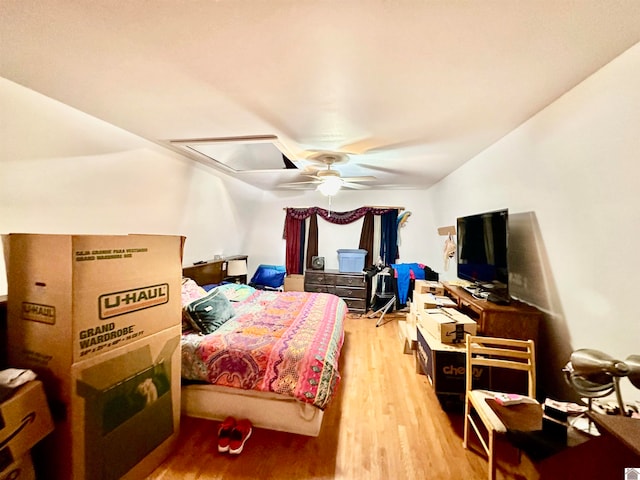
(80, 308)
(74, 297)
(423, 301)
(21, 469)
(447, 325)
(428, 286)
(24, 421)
(445, 365)
(124, 415)
(294, 283)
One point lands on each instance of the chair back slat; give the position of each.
(501, 353)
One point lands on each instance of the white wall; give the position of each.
(569, 177)
(62, 171)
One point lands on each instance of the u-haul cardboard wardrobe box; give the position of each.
(74, 299)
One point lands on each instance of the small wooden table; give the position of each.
(626, 430)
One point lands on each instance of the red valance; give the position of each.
(340, 218)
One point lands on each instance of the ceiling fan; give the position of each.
(328, 181)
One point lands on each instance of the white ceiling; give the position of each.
(413, 89)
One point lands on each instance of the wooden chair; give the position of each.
(496, 353)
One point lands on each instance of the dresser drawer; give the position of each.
(319, 278)
(312, 287)
(356, 305)
(350, 280)
(347, 292)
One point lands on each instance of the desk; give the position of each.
(605, 456)
(517, 320)
(624, 429)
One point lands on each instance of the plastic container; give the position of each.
(351, 260)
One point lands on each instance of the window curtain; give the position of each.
(312, 248)
(303, 229)
(389, 237)
(293, 227)
(294, 233)
(366, 237)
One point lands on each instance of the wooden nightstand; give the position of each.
(214, 271)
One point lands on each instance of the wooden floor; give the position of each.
(384, 423)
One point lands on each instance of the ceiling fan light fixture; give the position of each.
(330, 186)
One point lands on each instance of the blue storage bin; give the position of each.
(351, 260)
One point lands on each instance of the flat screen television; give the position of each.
(483, 241)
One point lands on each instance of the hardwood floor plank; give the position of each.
(385, 422)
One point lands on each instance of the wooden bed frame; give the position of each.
(263, 409)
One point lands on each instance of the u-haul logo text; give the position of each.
(39, 313)
(127, 301)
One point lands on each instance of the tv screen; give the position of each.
(482, 250)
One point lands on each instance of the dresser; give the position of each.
(353, 288)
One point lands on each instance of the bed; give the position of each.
(274, 361)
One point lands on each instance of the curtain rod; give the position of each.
(365, 206)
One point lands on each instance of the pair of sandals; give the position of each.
(233, 434)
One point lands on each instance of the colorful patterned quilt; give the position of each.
(282, 342)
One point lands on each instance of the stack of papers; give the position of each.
(506, 399)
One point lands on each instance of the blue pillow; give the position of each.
(210, 312)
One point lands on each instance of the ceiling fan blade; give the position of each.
(369, 145)
(359, 179)
(355, 186)
(381, 169)
(294, 184)
(298, 188)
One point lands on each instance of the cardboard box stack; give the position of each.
(423, 297)
(24, 421)
(445, 366)
(98, 318)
